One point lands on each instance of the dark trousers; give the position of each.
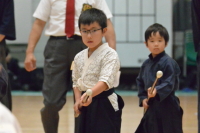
(59, 54)
(198, 88)
(7, 99)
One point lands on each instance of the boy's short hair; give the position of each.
(93, 15)
(157, 28)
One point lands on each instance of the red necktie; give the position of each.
(70, 14)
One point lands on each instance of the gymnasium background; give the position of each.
(130, 20)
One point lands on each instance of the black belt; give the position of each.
(74, 37)
(105, 93)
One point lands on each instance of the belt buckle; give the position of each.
(69, 38)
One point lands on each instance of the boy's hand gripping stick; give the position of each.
(88, 93)
(159, 74)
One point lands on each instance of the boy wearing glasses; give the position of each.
(59, 51)
(96, 68)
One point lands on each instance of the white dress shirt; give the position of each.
(53, 12)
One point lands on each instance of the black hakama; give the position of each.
(100, 116)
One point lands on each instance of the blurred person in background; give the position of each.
(7, 32)
(8, 122)
(195, 11)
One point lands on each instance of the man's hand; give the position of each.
(2, 37)
(30, 62)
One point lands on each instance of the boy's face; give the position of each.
(92, 35)
(156, 44)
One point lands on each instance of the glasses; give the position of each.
(92, 32)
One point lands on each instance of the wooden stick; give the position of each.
(159, 74)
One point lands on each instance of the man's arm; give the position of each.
(2, 37)
(30, 61)
(110, 35)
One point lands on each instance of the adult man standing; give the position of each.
(195, 10)
(7, 31)
(60, 50)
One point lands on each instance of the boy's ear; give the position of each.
(146, 44)
(104, 30)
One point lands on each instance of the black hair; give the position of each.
(92, 15)
(154, 29)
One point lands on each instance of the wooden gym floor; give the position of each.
(27, 105)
